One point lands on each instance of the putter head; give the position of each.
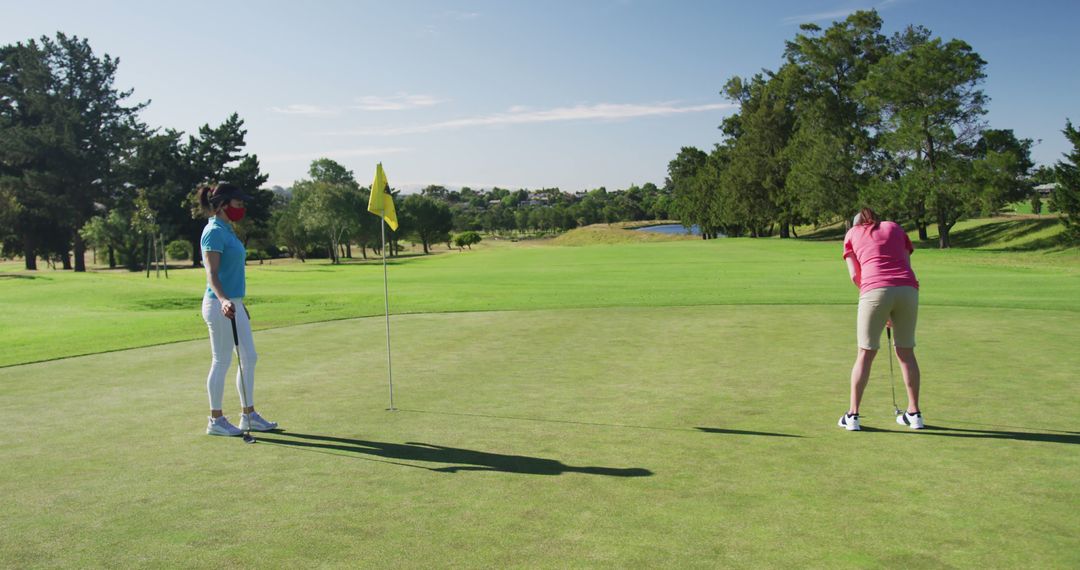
(248, 438)
(896, 411)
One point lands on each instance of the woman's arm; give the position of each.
(213, 262)
(854, 270)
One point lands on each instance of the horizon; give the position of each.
(482, 94)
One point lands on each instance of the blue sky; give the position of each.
(575, 94)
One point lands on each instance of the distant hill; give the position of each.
(1016, 232)
(615, 233)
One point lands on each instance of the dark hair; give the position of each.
(210, 197)
(868, 217)
(202, 199)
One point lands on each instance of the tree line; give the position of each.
(80, 170)
(852, 117)
(325, 215)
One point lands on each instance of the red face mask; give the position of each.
(234, 214)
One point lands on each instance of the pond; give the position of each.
(677, 229)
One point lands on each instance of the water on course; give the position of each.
(677, 229)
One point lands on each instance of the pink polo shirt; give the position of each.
(883, 253)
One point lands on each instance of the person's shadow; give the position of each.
(456, 459)
(1062, 437)
(1066, 437)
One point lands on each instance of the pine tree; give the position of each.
(1066, 197)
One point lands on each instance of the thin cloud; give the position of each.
(398, 102)
(444, 18)
(306, 110)
(836, 14)
(340, 153)
(520, 115)
(820, 16)
(455, 15)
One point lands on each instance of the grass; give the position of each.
(1042, 234)
(1019, 232)
(55, 314)
(636, 405)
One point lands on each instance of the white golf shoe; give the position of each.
(914, 421)
(255, 422)
(849, 422)
(221, 426)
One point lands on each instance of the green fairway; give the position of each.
(51, 314)
(640, 405)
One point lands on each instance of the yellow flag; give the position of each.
(381, 202)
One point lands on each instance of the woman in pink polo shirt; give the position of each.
(878, 256)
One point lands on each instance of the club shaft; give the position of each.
(892, 375)
(240, 368)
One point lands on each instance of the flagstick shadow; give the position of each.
(743, 432)
(400, 259)
(600, 424)
(456, 459)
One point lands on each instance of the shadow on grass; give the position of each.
(828, 233)
(998, 434)
(743, 432)
(580, 423)
(1060, 437)
(457, 459)
(994, 234)
(999, 232)
(352, 264)
(1027, 428)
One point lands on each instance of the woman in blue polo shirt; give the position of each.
(224, 256)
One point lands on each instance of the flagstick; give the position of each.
(386, 304)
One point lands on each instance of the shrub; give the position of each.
(467, 239)
(178, 249)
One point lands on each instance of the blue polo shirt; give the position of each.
(218, 236)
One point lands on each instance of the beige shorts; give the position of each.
(876, 306)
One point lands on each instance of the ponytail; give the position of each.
(202, 199)
(866, 216)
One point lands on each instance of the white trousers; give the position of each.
(222, 347)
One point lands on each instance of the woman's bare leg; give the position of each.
(909, 368)
(860, 375)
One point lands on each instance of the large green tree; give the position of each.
(832, 136)
(216, 154)
(1002, 170)
(99, 130)
(66, 128)
(25, 114)
(330, 209)
(431, 220)
(287, 227)
(927, 97)
(693, 197)
(1066, 197)
(755, 181)
(321, 207)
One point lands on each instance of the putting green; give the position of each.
(638, 436)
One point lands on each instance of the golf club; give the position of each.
(892, 376)
(243, 385)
